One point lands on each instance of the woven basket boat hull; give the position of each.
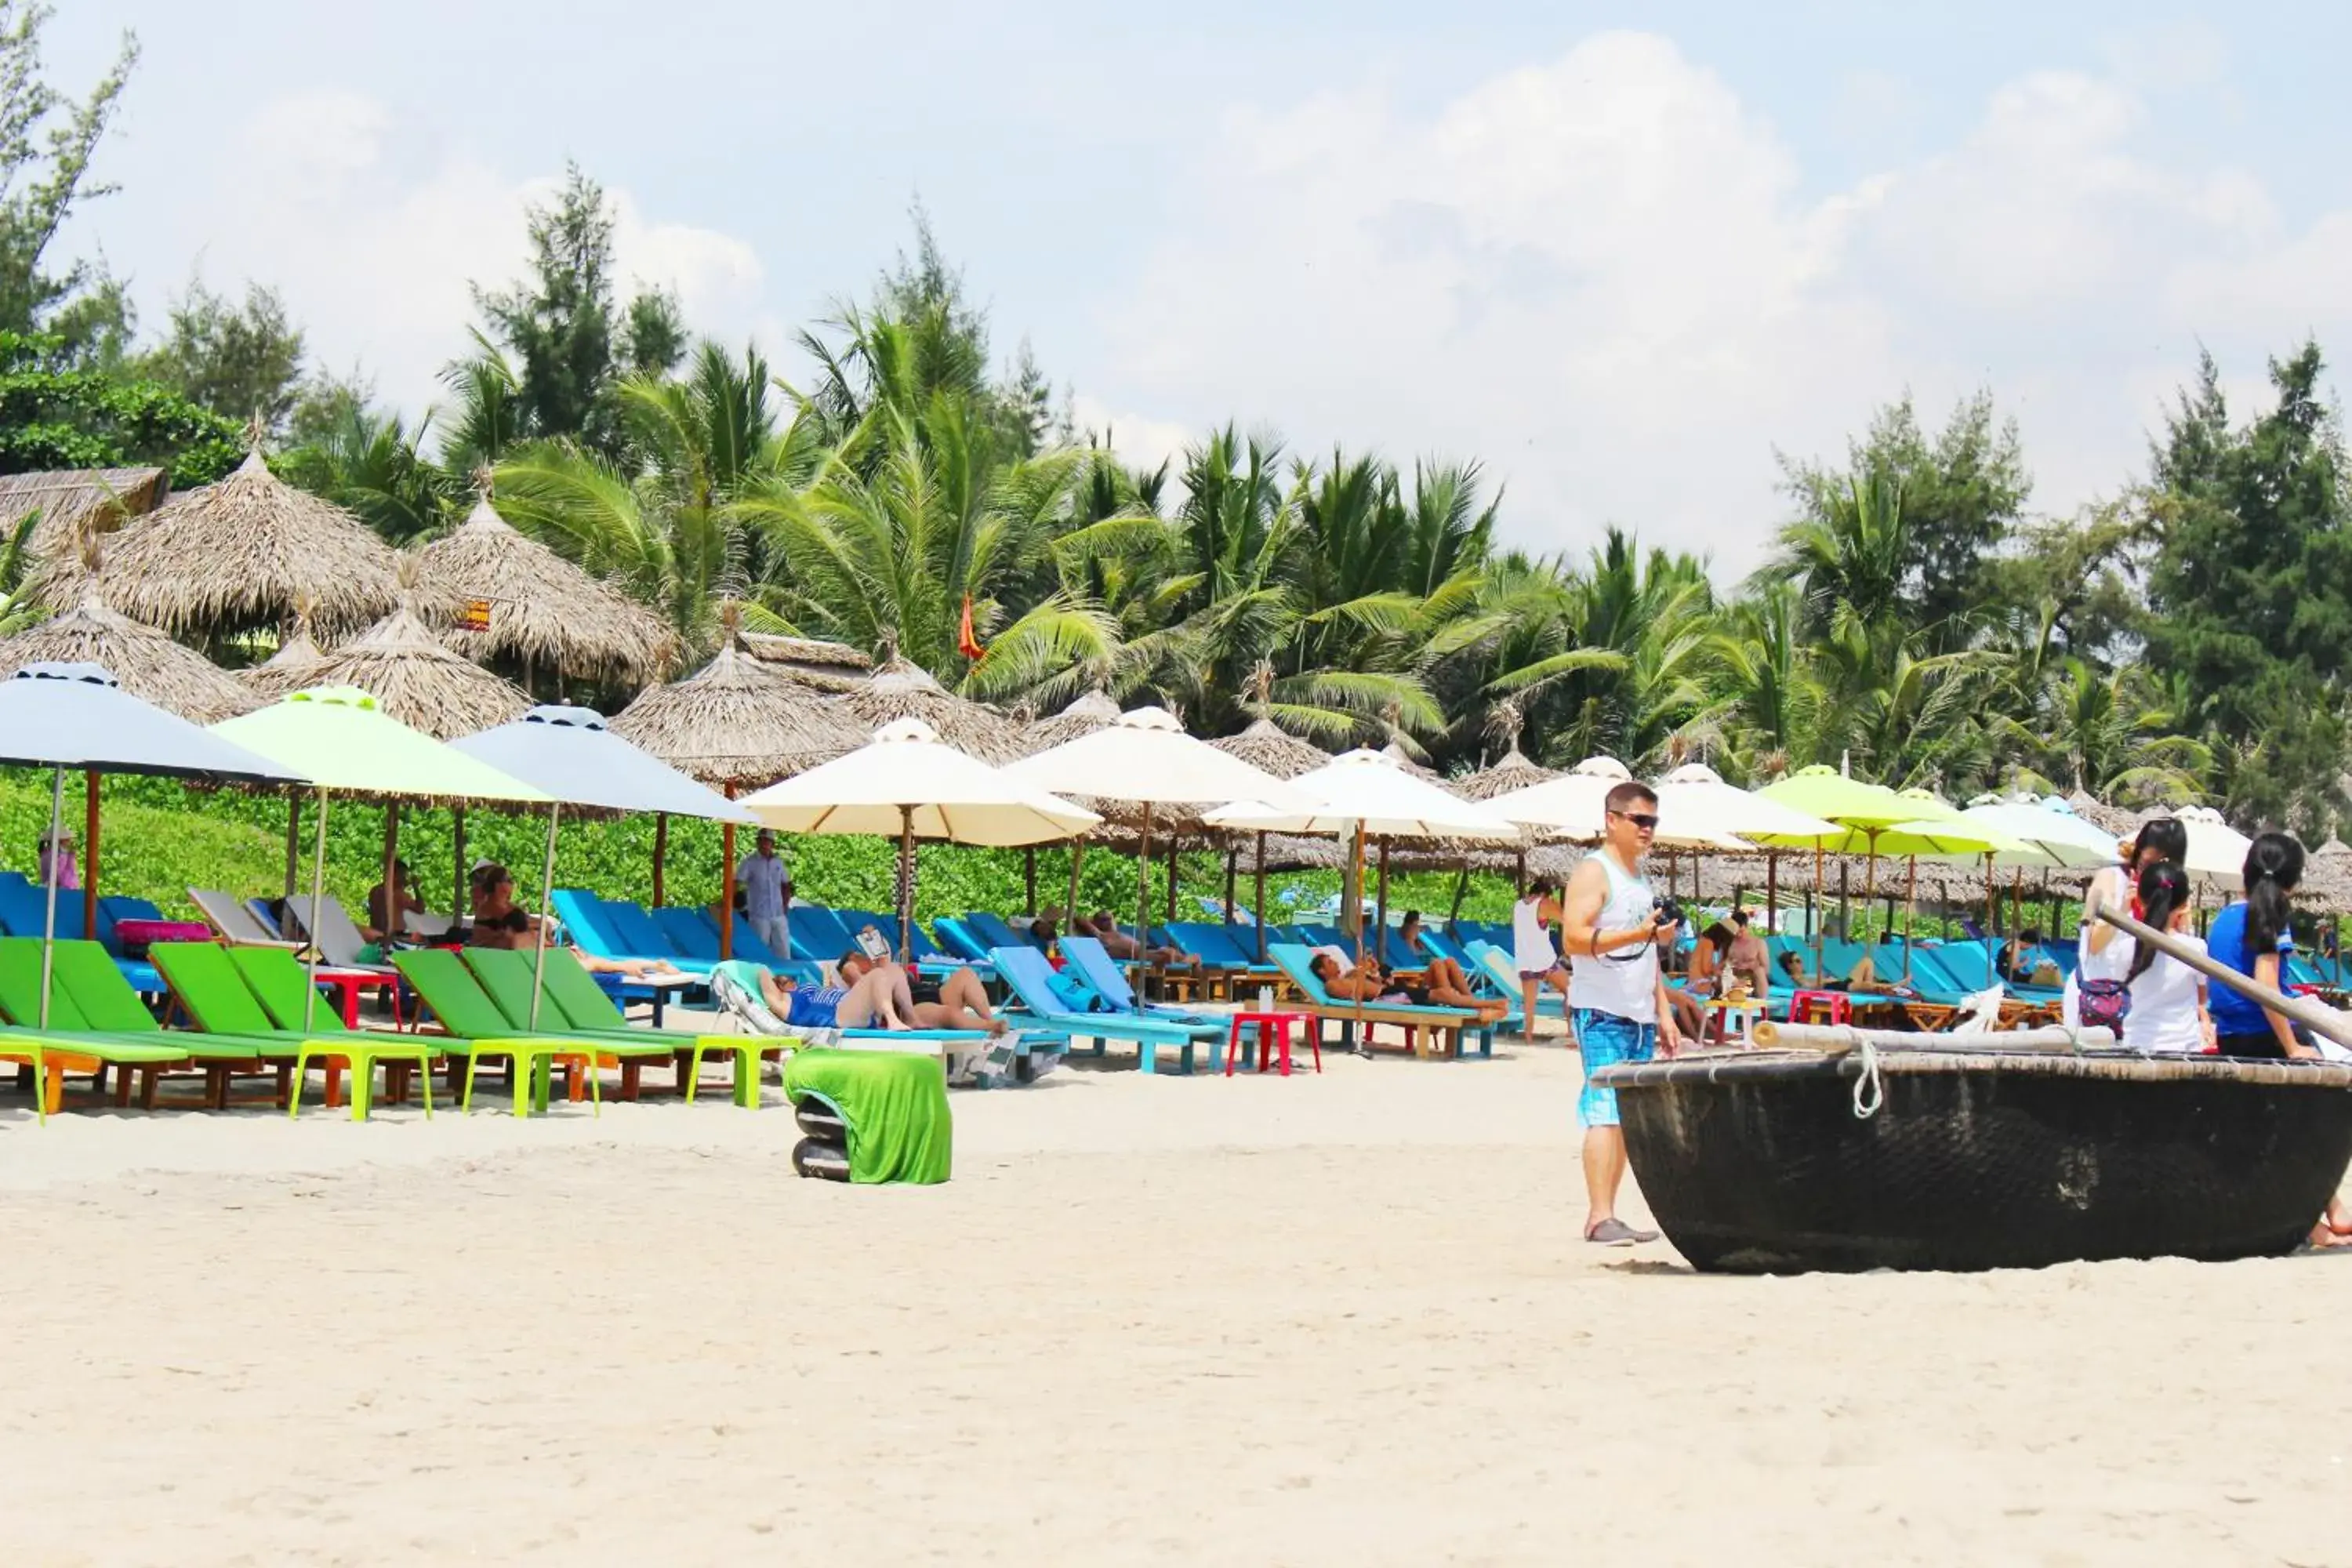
(1758, 1163)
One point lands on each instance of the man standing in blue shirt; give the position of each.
(767, 879)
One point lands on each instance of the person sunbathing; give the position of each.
(633, 968)
(868, 1000)
(1119, 944)
(958, 1001)
(1363, 983)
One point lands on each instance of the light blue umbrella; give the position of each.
(568, 754)
(78, 717)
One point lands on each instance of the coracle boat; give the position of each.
(1789, 1161)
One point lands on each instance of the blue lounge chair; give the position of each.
(1492, 965)
(1443, 1023)
(643, 938)
(958, 940)
(1223, 947)
(997, 932)
(1101, 974)
(1062, 1006)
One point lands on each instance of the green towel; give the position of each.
(896, 1104)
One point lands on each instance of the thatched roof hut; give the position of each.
(74, 504)
(1271, 749)
(831, 666)
(1511, 771)
(903, 690)
(420, 680)
(294, 666)
(734, 723)
(148, 664)
(1094, 710)
(249, 552)
(545, 612)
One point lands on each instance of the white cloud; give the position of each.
(1606, 275)
(375, 245)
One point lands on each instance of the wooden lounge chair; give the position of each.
(1445, 1026)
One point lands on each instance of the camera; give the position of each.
(1663, 910)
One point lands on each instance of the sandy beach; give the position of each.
(1342, 1319)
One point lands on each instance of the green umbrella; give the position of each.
(335, 737)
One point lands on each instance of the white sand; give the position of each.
(1344, 1319)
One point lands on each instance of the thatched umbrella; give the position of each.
(545, 613)
(149, 665)
(903, 690)
(420, 680)
(736, 725)
(294, 666)
(249, 552)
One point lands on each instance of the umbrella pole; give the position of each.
(50, 925)
(318, 897)
(1771, 891)
(1175, 842)
(1233, 872)
(458, 867)
(1356, 880)
(391, 910)
(1029, 879)
(1815, 896)
(89, 856)
(546, 899)
(1382, 894)
(1077, 855)
(1142, 900)
(1461, 887)
(1518, 871)
(1910, 897)
(293, 844)
(1261, 898)
(906, 882)
(661, 853)
(727, 884)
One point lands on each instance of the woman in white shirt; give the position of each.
(2101, 951)
(2168, 997)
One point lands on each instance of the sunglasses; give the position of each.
(1641, 819)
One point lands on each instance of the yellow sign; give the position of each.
(474, 616)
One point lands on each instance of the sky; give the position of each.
(1621, 255)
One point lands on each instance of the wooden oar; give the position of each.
(1836, 1039)
(2317, 1017)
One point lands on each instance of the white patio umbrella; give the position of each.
(1694, 800)
(2216, 851)
(1367, 794)
(905, 785)
(2051, 837)
(61, 716)
(1574, 807)
(1147, 759)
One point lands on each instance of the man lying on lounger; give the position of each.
(1119, 944)
(1442, 984)
(873, 996)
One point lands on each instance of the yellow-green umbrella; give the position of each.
(335, 737)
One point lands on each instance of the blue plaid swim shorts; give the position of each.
(1603, 1038)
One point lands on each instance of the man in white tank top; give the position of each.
(1616, 991)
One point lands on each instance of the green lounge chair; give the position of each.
(477, 1028)
(82, 1041)
(1446, 1025)
(212, 985)
(66, 1045)
(570, 1001)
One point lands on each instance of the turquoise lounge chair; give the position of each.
(1044, 997)
(1101, 974)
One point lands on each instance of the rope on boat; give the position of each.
(1869, 1093)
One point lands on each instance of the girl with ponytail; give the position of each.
(2168, 997)
(2254, 937)
(2102, 952)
